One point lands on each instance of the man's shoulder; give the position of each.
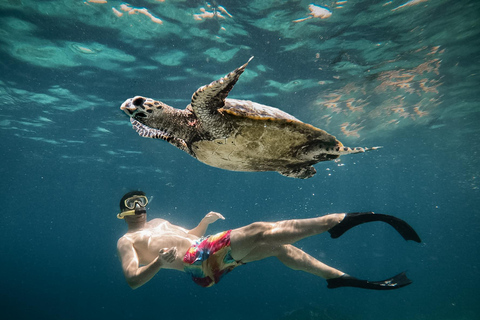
(124, 240)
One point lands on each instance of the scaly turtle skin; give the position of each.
(236, 135)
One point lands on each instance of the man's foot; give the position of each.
(396, 282)
(356, 218)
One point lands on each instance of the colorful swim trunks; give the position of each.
(209, 259)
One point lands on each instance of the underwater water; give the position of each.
(402, 75)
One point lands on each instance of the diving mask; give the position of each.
(137, 205)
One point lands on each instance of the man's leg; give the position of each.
(294, 258)
(297, 259)
(260, 240)
(275, 234)
(245, 239)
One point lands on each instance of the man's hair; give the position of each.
(128, 195)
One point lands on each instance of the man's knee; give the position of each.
(284, 252)
(258, 230)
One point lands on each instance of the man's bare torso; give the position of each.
(159, 234)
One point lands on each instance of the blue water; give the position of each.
(400, 75)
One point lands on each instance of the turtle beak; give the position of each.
(128, 107)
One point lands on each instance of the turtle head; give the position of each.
(150, 118)
(141, 109)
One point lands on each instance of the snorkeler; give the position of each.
(149, 246)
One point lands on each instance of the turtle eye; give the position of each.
(138, 102)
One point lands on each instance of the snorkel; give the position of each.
(137, 211)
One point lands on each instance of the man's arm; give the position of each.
(135, 275)
(200, 230)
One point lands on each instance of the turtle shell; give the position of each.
(264, 138)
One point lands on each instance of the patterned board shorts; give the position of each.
(209, 259)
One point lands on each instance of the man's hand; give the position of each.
(167, 255)
(211, 217)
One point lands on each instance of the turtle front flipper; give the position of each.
(147, 132)
(207, 100)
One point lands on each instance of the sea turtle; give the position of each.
(236, 135)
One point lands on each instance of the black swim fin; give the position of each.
(396, 282)
(354, 219)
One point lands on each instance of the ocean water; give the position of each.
(402, 75)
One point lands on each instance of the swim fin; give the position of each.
(354, 219)
(396, 282)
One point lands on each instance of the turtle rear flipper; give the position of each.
(325, 150)
(304, 172)
(207, 100)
